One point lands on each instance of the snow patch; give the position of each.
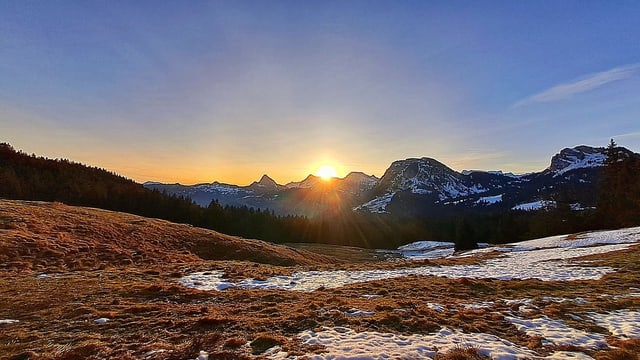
(489, 200)
(535, 205)
(621, 323)
(344, 343)
(435, 307)
(622, 236)
(558, 333)
(425, 245)
(377, 205)
(102, 321)
(353, 312)
(564, 355)
(206, 280)
(421, 250)
(578, 300)
(371, 296)
(479, 306)
(8, 321)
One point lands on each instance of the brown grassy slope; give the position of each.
(40, 235)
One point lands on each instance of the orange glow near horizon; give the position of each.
(326, 172)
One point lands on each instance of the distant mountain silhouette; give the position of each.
(417, 187)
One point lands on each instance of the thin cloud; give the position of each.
(587, 83)
(632, 135)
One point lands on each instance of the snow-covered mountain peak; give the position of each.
(422, 176)
(577, 158)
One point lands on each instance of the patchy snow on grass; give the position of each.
(435, 307)
(621, 323)
(344, 343)
(522, 301)
(558, 333)
(206, 280)
(353, 312)
(570, 355)
(479, 305)
(544, 259)
(551, 299)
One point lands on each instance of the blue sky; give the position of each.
(196, 91)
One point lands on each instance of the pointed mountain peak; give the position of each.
(266, 180)
(266, 184)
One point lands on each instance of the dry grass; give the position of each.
(52, 236)
(461, 353)
(152, 317)
(624, 350)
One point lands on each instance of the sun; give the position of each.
(326, 172)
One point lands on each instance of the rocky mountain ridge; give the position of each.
(416, 186)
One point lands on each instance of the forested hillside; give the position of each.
(28, 177)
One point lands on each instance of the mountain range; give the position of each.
(418, 186)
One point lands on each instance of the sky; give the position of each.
(197, 91)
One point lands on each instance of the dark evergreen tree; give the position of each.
(619, 204)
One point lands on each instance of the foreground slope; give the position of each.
(45, 236)
(132, 294)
